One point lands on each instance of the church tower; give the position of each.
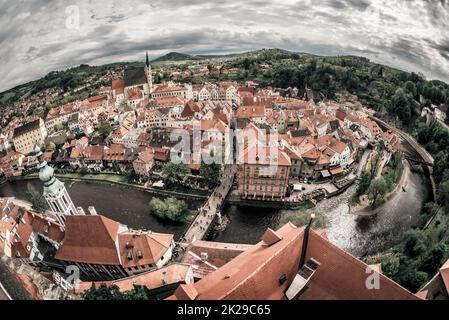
(148, 73)
(55, 192)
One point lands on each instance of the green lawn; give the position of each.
(114, 178)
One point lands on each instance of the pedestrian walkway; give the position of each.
(212, 208)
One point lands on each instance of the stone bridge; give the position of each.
(199, 227)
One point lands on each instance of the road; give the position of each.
(425, 155)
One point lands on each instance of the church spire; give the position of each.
(147, 61)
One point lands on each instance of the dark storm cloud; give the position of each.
(34, 38)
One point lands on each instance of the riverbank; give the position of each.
(120, 180)
(367, 210)
(237, 201)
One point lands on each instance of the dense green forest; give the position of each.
(391, 92)
(426, 247)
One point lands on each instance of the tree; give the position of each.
(115, 166)
(131, 176)
(37, 200)
(396, 159)
(210, 174)
(365, 181)
(170, 208)
(302, 217)
(377, 190)
(59, 127)
(403, 106)
(414, 280)
(391, 266)
(174, 173)
(51, 146)
(105, 129)
(415, 244)
(411, 88)
(436, 258)
(104, 292)
(113, 292)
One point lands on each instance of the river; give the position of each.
(357, 235)
(128, 206)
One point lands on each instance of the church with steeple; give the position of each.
(149, 74)
(140, 77)
(55, 193)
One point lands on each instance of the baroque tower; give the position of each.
(55, 192)
(149, 73)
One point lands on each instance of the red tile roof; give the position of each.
(444, 271)
(256, 274)
(151, 246)
(172, 274)
(90, 239)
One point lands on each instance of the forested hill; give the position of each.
(385, 89)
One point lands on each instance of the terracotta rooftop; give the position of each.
(444, 271)
(171, 274)
(266, 272)
(99, 240)
(142, 248)
(261, 155)
(250, 111)
(90, 239)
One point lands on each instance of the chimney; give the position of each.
(305, 242)
(92, 211)
(80, 211)
(204, 256)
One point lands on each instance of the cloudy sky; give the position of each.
(38, 36)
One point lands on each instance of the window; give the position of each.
(282, 279)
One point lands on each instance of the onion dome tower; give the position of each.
(55, 192)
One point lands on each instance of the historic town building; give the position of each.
(104, 249)
(29, 135)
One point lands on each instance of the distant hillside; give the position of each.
(375, 85)
(66, 80)
(175, 56)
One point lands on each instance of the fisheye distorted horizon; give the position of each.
(408, 34)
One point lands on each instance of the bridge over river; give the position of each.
(211, 210)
